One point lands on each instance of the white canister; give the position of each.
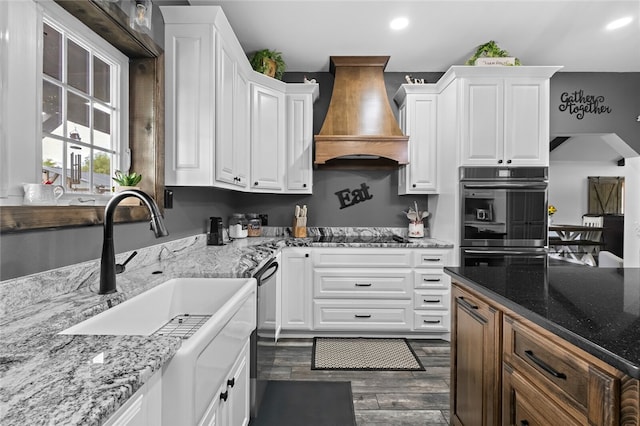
(416, 229)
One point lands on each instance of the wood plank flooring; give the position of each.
(380, 398)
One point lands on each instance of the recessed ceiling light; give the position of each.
(399, 23)
(619, 23)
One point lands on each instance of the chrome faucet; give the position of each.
(108, 259)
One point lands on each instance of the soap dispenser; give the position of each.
(215, 237)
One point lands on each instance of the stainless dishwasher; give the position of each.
(264, 337)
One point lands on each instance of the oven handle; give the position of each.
(521, 185)
(532, 253)
(264, 275)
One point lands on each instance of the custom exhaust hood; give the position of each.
(360, 130)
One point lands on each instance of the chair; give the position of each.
(592, 236)
(606, 259)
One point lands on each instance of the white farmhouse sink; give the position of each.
(191, 379)
(145, 313)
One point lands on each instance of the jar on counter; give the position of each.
(238, 226)
(255, 224)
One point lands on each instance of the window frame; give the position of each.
(74, 30)
(146, 126)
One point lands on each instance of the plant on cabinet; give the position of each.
(268, 62)
(491, 50)
(127, 181)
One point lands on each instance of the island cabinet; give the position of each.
(567, 384)
(508, 370)
(475, 360)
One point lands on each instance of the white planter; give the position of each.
(492, 62)
(129, 201)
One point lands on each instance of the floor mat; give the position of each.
(309, 403)
(343, 353)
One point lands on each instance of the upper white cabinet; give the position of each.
(417, 116)
(226, 125)
(299, 163)
(504, 115)
(267, 138)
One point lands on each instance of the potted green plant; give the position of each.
(488, 54)
(268, 62)
(127, 181)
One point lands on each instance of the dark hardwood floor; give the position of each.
(381, 397)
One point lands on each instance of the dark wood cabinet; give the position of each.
(475, 360)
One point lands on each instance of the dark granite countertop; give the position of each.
(596, 309)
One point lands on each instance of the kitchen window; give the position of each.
(84, 106)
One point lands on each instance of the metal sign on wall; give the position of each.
(348, 197)
(578, 104)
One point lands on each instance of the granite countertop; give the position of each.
(596, 309)
(47, 378)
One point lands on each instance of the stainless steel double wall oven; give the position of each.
(503, 215)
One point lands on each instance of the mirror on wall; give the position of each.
(146, 131)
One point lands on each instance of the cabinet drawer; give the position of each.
(431, 299)
(362, 283)
(428, 278)
(430, 258)
(524, 404)
(431, 321)
(362, 315)
(368, 257)
(563, 374)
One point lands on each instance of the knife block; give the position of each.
(299, 228)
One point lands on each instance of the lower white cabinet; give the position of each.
(230, 405)
(296, 288)
(143, 408)
(376, 290)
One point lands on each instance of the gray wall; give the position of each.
(621, 92)
(35, 251)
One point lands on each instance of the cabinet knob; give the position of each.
(231, 382)
(508, 161)
(414, 185)
(224, 395)
(499, 161)
(304, 185)
(255, 184)
(306, 255)
(524, 423)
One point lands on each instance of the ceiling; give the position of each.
(441, 33)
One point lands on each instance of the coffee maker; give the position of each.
(214, 236)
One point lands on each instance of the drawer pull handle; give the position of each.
(431, 300)
(466, 304)
(431, 259)
(431, 280)
(546, 367)
(224, 395)
(363, 315)
(231, 382)
(431, 321)
(363, 284)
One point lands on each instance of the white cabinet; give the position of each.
(505, 117)
(143, 408)
(226, 125)
(418, 119)
(296, 288)
(231, 124)
(230, 406)
(189, 99)
(432, 292)
(267, 139)
(299, 149)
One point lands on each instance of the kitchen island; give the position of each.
(566, 336)
(48, 378)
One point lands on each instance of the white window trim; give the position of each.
(21, 103)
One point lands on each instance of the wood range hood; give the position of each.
(360, 130)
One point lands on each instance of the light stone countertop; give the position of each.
(47, 378)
